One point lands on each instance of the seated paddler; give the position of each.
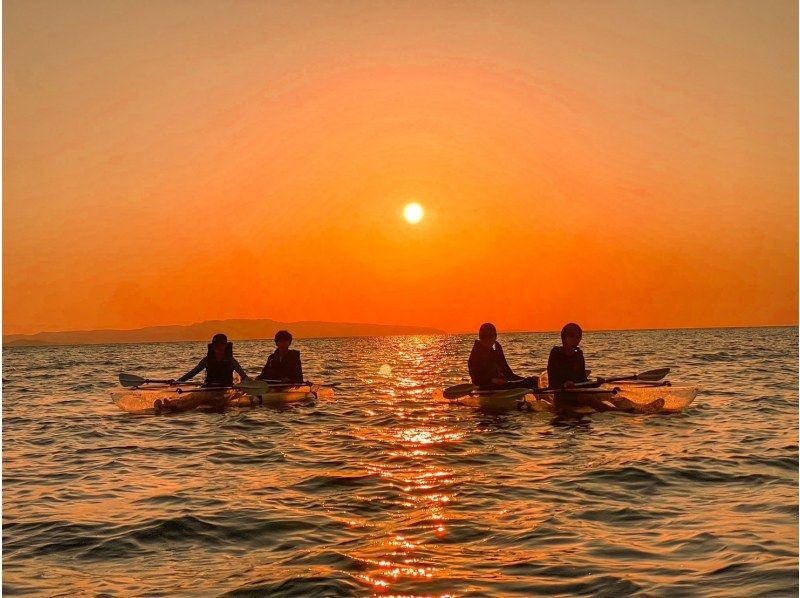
(488, 367)
(219, 364)
(283, 365)
(566, 365)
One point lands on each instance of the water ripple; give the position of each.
(379, 490)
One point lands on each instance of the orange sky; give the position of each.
(619, 164)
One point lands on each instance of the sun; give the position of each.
(413, 213)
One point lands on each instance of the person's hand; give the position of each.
(498, 381)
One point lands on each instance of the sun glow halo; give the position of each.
(413, 213)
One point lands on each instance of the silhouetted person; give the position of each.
(219, 364)
(284, 364)
(488, 367)
(566, 365)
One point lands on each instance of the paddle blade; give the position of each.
(649, 376)
(511, 393)
(458, 391)
(255, 387)
(129, 380)
(653, 375)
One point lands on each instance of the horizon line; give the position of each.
(441, 330)
(438, 333)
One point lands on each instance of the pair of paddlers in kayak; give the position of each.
(566, 367)
(283, 365)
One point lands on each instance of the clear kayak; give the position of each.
(523, 399)
(495, 400)
(635, 397)
(258, 392)
(156, 399)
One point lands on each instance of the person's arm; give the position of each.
(555, 375)
(194, 371)
(476, 369)
(263, 374)
(239, 370)
(264, 371)
(299, 369)
(584, 377)
(507, 371)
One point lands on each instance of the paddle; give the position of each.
(574, 389)
(458, 391)
(206, 389)
(130, 380)
(462, 390)
(268, 384)
(509, 393)
(648, 376)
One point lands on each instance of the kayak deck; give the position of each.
(158, 399)
(676, 398)
(622, 397)
(523, 399)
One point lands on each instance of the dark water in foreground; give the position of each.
(378, 490)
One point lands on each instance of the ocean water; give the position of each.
(378, 490)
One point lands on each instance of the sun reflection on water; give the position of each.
(414, 440)
(381, 490)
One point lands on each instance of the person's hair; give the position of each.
(487, 330)
(571, 328)
(283, 335)
(219, 339)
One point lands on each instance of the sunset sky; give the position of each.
(619, 164)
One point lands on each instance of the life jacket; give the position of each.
(290, 367)
(219, 373)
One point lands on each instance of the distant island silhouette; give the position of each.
(203, 331)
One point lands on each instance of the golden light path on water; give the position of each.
(378, 489)
(409, 442)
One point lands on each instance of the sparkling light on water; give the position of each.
(379, 489)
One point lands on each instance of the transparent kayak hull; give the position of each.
(524, 399)
(169, 399)
(494, 400)
(676, 398)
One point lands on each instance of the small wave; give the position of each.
(333, 481)
(311, 586)
(635, 478)
(379, 490)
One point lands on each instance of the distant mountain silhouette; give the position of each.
(203, 331)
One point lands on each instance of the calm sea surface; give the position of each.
(380, 490)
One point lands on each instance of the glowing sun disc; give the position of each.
(413, 213)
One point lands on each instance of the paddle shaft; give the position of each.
(281, 384)
(462, 390)
(648, 376)
(132, 380)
